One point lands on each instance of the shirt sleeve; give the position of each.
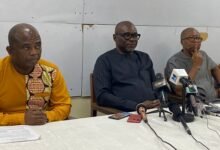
(60, 102)
(169, 68)
(11, 119)
(14, 118)
(102, 86)
(210, 62)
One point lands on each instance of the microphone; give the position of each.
(141, 110)
(161, 85)
(180, 77)
(211, 113)
(185, 125)
(191, 94)
(178, 74)
(185, 82)
(193, 104)
(177, 115)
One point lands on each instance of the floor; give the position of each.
(81, 107)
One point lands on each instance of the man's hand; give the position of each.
(197, 59)
(35, 116)
(151, 103)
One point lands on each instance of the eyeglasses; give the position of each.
(128, 35)
(193, 38)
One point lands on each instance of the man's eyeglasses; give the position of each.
(128, 35)
(193, 38)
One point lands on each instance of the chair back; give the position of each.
(94, 106)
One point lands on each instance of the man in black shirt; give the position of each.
(123, 76)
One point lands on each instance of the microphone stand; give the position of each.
(163, 111)
(160, 109)
(187, 116)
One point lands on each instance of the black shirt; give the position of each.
(123, 80)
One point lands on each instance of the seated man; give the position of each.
(33, 91)
(123, 76)
(199, 66)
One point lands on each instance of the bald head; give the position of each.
(186, 31)
(191, 41)
(122, 24)
(17, 31)
(24, 47)
(126, 37)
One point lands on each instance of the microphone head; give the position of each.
(141, 108)
(185, 82)
(192, 89)
(176, 75)
(159, 76)
(159, 82)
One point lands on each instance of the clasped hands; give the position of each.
(35, 116)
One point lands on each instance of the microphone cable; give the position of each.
(205, 113)
(210, 127)
(160, 137)
(200, 142)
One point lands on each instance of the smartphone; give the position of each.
(119, 116)
(134, 118)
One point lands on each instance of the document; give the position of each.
(9, 134)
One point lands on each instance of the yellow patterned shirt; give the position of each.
(44, 87)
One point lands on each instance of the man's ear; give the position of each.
(9, 50)
(114, 37)
(181, 41)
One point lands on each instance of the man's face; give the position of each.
(26, 49)
(191, 41)
(126, 38)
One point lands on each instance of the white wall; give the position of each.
(59, 23)
(75, 32)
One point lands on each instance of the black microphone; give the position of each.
(211, 113)
(185, 125)
(141, 110)
(191, 93)
(162, 86)
(185, 82)
(193, 104)
(175, 109)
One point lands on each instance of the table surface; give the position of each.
(102, 133)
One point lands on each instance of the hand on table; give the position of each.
(35, 116)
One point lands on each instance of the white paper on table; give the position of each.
(9, 134)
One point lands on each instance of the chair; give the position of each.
(94, 106)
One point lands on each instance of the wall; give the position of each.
(76, 32)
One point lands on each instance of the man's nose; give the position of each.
(34, 51)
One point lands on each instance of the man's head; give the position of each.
(126, 36)
(24, 47)
(190, 40)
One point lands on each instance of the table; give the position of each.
(102, 133)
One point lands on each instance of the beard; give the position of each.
(129, 50)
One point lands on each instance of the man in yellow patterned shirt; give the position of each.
(33, 90)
